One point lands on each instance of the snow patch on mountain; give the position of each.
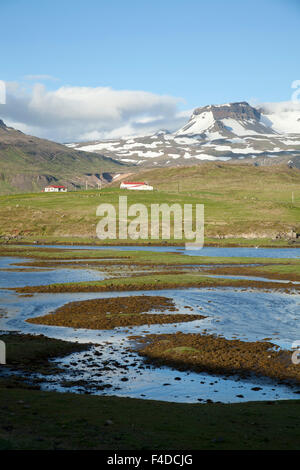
(197, 124)
(216, 132)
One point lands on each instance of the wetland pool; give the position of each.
(112, 367)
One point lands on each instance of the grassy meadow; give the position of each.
(49, 420)
(243, 205)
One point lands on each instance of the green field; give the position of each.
(48, 420)
(243, 205)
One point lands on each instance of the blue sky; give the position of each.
(199, 51)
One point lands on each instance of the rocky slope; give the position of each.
(28, 164)
(229, 132)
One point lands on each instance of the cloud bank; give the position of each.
(283, 117)
(70, 114)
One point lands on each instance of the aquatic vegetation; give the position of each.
(114, 312)
(217, 355)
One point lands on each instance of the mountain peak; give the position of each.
(2, 124)
(225, 121)
(239, 110)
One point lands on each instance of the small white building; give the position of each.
(139, 186)
(55, 189)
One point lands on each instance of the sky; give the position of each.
(79, 70)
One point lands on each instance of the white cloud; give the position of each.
(43, 77)
(283, 117)
(84, 113)
(281, 107)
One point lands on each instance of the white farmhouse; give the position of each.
(139, 186)
(55, 189)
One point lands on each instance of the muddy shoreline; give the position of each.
(217, 355)
(252, 271)
(32, 353)
(109, 313)
(215, 244)
(131, 285)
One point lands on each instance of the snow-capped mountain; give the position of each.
(225, 121)
(216, 132)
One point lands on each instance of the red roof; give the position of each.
(54, 186)
(131, 182)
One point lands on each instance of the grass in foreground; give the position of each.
(49, 420)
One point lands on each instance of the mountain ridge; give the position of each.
(28, 163)
(228, 132)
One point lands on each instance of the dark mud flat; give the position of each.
(29, 364)
(31, 353)
(217, 355)
(114, 312)
(161, 282)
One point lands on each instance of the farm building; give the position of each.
(55, 189)
(141, 186)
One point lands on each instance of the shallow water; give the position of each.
(234, 313)
(231, 312)
(205, 251)
(38, 277)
